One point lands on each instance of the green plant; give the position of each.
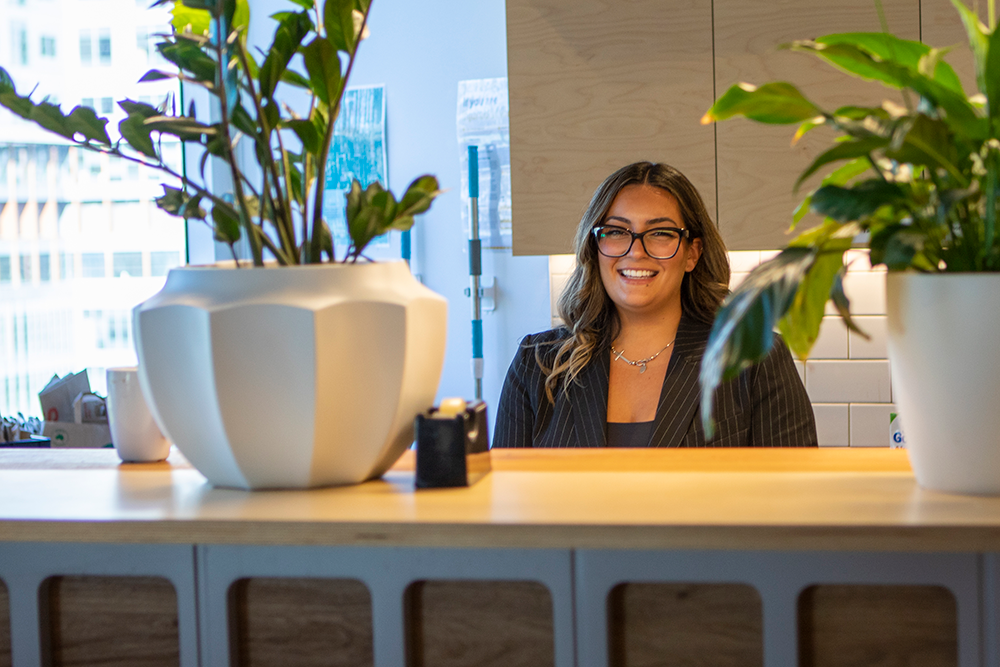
(919, 179)
(280, 210)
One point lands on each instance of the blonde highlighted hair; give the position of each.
(584, 306)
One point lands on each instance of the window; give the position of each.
(22, 46)
(104, 47)
(86, 49)
(93, 264)
(160, 262)
(142, 41)
(104, 226)
(126, 264)
(67, 267)
(25, 268)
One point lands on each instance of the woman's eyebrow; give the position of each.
(648, 222)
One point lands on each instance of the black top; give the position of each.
(629, 434)
(765, 406)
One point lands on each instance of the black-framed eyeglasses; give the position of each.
(659, 242)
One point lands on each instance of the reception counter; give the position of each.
(742, 557)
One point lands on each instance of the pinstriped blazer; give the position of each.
(766, 406)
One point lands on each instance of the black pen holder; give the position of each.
(452, 451)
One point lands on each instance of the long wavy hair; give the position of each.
(585, 307)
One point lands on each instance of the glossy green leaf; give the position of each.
(927, 141)
(186, 17)
(323, 66)
(182, 127)
(306, 131)
(419, 195)
(226, 223)
(84, 121)
(133, 129)
(294, 78)
(338, 19)
(846, 150)
(189, 58)
(743, 332)
(992, 75)
(855, 203)
(800, 325)
(904, 52)
(776, 103)
(287, 40)
(843, 305)
(157, 75)
(978, 42)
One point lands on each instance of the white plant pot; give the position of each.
(291, 377)
(946, 376)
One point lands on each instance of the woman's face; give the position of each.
(637, 283)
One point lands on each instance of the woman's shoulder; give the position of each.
(546, 337)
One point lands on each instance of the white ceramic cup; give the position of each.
(134, 432)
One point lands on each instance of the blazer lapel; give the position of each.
(588, 401)
(679, 398)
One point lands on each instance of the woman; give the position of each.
(651, 271)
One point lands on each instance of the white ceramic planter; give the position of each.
(946, 376)
(290, 377)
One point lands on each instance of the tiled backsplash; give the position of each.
(847, 377)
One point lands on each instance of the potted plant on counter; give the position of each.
(917, 183)
(307, 370)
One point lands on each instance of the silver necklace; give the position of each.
(641, 363)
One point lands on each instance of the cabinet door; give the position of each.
(757, 167)
(595, 85)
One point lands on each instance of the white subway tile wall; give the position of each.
(847, 377)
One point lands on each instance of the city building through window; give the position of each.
(81, 239)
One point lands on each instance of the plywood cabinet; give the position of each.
(757, 165)
(597, 84)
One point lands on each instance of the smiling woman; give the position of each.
(651, 272)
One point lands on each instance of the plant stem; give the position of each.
(284, 220)
(242, 208)
(314, 241)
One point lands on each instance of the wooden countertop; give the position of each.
(796, 499)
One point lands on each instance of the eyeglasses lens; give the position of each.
(658, 243)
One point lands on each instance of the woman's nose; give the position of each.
(637, 249)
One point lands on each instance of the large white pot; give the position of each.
(946, 376)
(291, 377)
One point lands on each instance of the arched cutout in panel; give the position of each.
(847, 625)
(5, 656)
(482, 623)
(111, 621)
(685, 624)
(299, 622)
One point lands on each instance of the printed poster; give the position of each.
(483, 122)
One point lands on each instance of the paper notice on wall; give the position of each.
(483, 122)
(357, 151)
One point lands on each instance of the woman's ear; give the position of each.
(693, 255)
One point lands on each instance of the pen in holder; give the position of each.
(452, 445)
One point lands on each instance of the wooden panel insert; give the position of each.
(595, 85)
(855, 626)
(5, 656)
(482, 623)
(757, 167)
(111, 621)
(302, 622)
(685, 624)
